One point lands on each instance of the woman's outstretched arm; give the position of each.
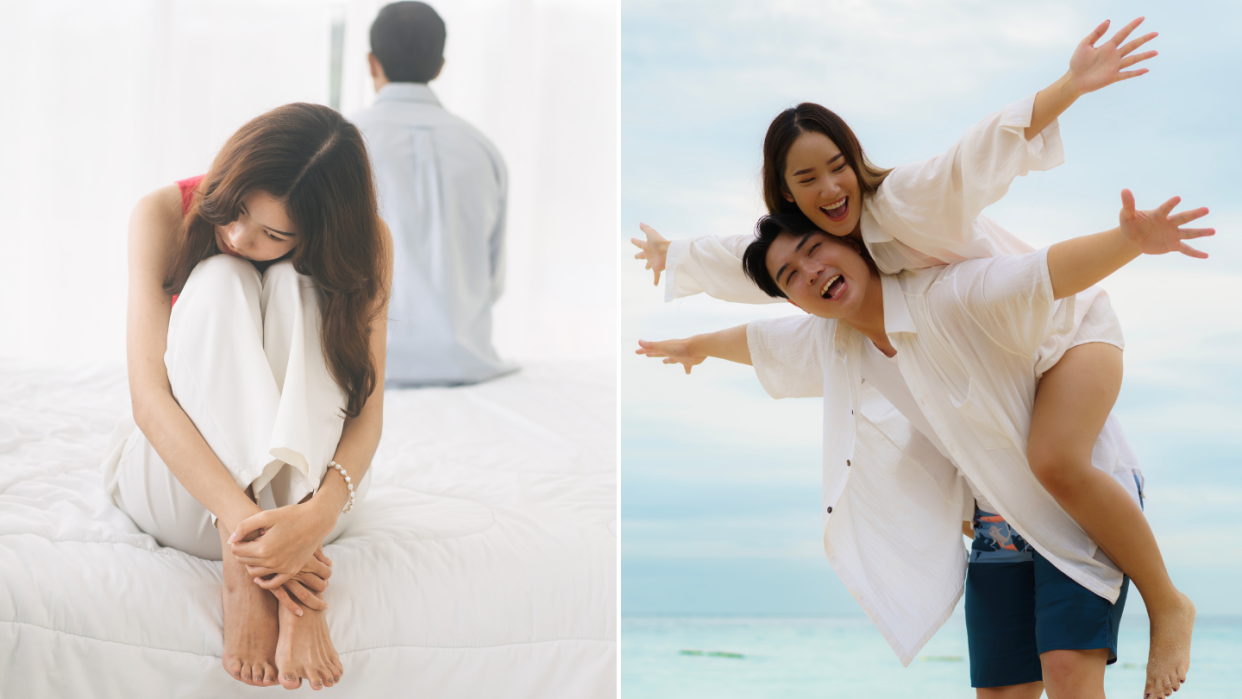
(1091, 68)
(291, 534)
(707, 265)
(166, 426)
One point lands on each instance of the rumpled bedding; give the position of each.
(482, 565)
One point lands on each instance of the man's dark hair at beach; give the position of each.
(767, 230)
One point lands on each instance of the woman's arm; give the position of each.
(1074, 265)
(730, 344)
(170, 431)
(361, 435)
(710, 265)
(928, 213)
(1091, 68)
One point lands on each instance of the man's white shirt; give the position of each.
(894, 536)
(443, 191)
(966, 337)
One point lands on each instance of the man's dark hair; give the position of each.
(407, 39)
(767, 230)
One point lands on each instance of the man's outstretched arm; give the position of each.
(1076, 264)
(725, 344)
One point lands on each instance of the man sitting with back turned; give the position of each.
(442, 190)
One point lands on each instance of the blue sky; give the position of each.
(719, 483)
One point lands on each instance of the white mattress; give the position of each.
(483, 563)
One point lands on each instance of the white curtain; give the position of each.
(101, 102)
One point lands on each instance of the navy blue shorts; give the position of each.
(1019, 605)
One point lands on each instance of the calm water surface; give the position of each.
(698, 658)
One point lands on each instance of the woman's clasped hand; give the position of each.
(282, 550)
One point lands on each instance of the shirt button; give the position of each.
(847, 462)
(829, 510)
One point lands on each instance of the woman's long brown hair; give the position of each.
(312, 159)
(787, 127)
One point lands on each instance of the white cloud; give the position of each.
(869, 58)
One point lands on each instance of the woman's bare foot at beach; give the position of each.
(305, 651)
(250, 628)
(1168, 659)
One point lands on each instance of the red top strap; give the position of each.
(188, 185)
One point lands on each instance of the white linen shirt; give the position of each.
(965, 336)
(443, 190)
(923, 214)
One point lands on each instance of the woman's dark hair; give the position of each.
(768, 229)
(407, 39)
(787, 127)
(314, 161)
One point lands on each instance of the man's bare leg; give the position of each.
(250, 624)
(1074, 674)
(1030, 690)
(1073, 401)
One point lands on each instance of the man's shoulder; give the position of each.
(384, 120)
(918, 281)
(425, 115)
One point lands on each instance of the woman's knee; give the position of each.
(1030, 690)
(1055, 463)
(280, 273)
(221, 273)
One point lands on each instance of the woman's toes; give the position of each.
(269, 675)
(289, 680)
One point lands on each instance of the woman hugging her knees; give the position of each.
(255, 344)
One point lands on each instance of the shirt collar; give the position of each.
(407, 92)
(897, 318)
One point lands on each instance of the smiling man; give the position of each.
(952, 349)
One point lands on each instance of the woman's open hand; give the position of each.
(674, 352)
(654, 250)
(1155, 232)
(279, 542)
(1093, 67)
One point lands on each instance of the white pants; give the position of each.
(246, 365)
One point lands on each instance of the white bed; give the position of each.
(483, 564)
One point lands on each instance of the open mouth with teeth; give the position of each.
(837, 210)
(833, 287)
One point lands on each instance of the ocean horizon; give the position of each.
(756, 657)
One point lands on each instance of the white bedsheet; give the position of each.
(483, 564)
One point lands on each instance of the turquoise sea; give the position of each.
(756, 658)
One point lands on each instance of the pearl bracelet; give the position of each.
(349, 483)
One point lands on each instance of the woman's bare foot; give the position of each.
(305, 651)
(1168, 659)
(250, 630)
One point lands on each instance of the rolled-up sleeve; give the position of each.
(932, 206)
(1010, 297)
(787, 355)
(713, 266)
